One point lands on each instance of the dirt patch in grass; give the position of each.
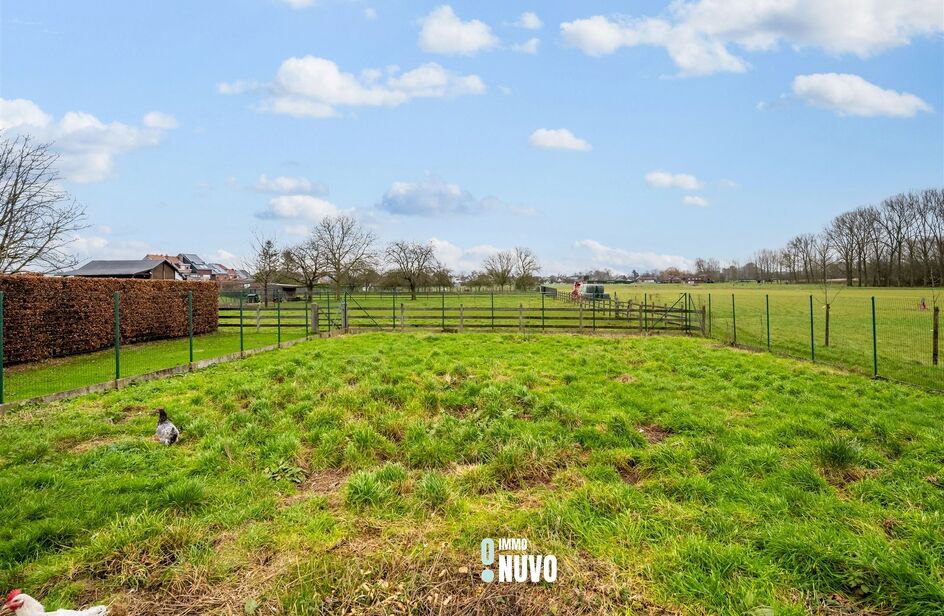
(439, 582)
(318, 483)
(654, 433)
(625, 378)
(82, 446)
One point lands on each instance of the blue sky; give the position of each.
(601, 134)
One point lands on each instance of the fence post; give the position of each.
(493, 310)
(934, 332)
(827, 326)
(117, 338)
(709, 315)
(767, 305)
(580, 308)
(316, 318)
(703, 330)
(542, 312)
(593, 311)
(1, 347)
(734, 320)
(402, 317)
(521, 318)
(393, 309)
(242, 343)
(278, 323)
(645, 312)
(461, 318)
(258, 317)
(329, 314)
(190, 325)
(812, 335)
(874, 343)
(442, 311)
(344, 322)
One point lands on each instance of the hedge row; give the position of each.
(45, 316)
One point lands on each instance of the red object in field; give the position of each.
(575, 294)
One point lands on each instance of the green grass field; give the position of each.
(668, 475)
(903, 330)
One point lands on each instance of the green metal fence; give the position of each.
(243, 327)
(886, 336)
(891, 337)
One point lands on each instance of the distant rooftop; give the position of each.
(116, 268)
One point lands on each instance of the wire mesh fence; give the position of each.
(119, 344)
(893, 337)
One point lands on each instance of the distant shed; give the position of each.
(145, 268)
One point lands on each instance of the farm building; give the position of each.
(145, 268)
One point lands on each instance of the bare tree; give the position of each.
(413, 262)
(500, 268)
(347, 248)
(37, 218)
(525, 268)
(307, 262)
(266, 263)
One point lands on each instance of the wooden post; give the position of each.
(258, 318)
(521, 318)
(581, 316)
(934, 334)
(827, 326)
(314, 318)
(402, 317)
(461, 318)
(704, 331)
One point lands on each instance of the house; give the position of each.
(145, 268)
(198, 267)
(176, 261)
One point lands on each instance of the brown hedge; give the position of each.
(46, 316)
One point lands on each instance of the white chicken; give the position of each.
(22, 604)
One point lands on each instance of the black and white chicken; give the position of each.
(22, 604)
(166, 432)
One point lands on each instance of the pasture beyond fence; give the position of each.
(875, 336)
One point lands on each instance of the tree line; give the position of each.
(342, 250)
(898, 242)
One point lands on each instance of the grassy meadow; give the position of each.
(358, 474)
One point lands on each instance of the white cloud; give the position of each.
(443, 32)
(558, 139)
(299, 4)
(695, 200)
(87, 146)
(88, 247)
(623, 260)
(530, 46)
(316, 87)
(225, 257)
(287, 184)
(529, 21)
(461, 259)
(664, 179)
(851, 95)
(156, 119)
(434, 197)
(370, 13)
(299, 207)
(697, 35)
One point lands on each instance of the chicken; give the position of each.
(24, 605)
(167, 432)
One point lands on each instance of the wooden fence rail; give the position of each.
(560, 314)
